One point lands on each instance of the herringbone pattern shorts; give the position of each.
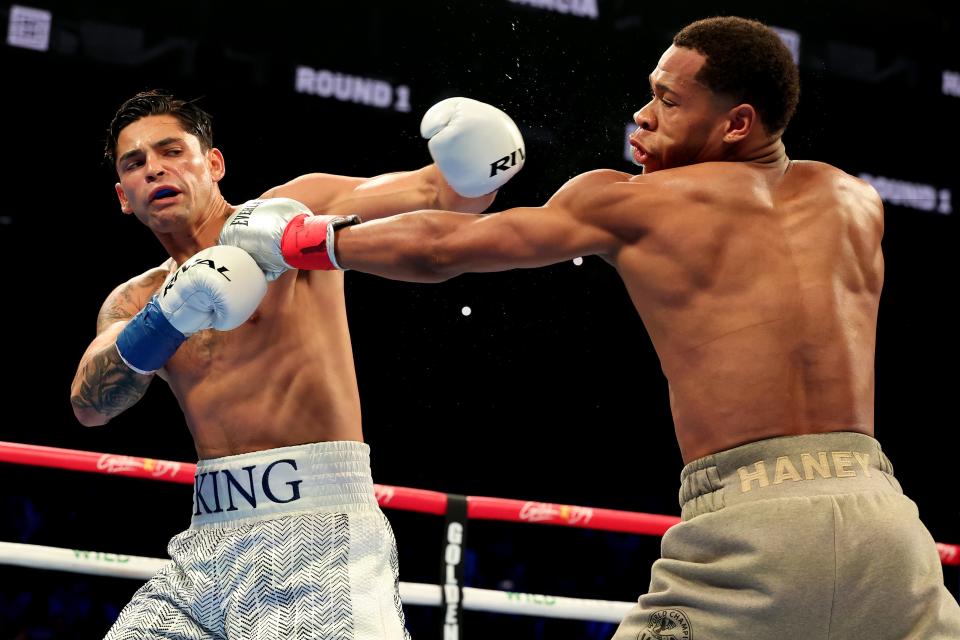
(318, 575)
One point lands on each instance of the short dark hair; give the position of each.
(747, 61)
(193, 119)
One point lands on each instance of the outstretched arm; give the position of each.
(380, 196)
(476, 149)
(431, 246)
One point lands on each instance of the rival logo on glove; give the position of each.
(210, 263)
(506, 162)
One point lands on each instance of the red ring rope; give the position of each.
(402, 498)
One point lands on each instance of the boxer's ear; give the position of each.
(216, 163)
(740, 121)
(124, 202)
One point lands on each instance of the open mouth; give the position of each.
(163, 193)
(640, 155)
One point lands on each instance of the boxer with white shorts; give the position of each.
(286, 543)
(264, 373)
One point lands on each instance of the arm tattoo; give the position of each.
(116, 308)
(119, 305)
(109, 386)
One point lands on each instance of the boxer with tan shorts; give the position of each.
(785, 538)
(758, 280)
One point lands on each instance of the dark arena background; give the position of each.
(549, 389)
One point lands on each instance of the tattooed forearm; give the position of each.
(109, 386)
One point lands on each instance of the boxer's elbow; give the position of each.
(429, 264)
(87, 416)
(91, 418)
(443, 266)
(430, 254)
(448, 256)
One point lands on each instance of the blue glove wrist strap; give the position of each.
(148, 340)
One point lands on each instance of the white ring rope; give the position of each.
(413, 593)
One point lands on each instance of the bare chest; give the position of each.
(206, 349)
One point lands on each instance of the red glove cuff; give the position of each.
(307, 241)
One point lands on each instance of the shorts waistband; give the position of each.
(805, 465)
(323, 476)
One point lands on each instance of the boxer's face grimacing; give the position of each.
(166, 178)
(684, 121)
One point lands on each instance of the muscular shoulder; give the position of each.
(831, 174)
(707, 182)
(629, 206)
(605, 188)
(128, 298)
(852, 192)
(594, 179)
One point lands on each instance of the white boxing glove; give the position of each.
(477, 147)
(257, 227)
(218, 288)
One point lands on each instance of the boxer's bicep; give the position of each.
(318, 191)
(126, 300)
(120, 305)
(369, 198)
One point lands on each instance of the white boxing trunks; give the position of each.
(284, 543)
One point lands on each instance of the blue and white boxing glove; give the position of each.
(477, 147)
(218, 288)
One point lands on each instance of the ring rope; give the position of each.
(402, 498)
(413, 593)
